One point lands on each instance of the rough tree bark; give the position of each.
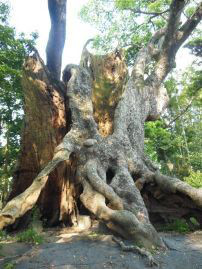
(103, 147)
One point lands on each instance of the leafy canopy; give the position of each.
(128, 24)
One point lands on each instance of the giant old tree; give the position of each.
(82, 147)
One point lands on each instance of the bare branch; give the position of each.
(181, 113)
(85, 54)
(139, 11)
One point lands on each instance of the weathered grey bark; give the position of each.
(57, 36)
(116, 177)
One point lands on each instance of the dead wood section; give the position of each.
(117, 182)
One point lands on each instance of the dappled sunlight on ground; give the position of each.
(66, 248)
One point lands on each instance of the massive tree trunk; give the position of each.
(87, 138)
(46, 122)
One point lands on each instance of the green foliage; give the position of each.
(178, 225)
(171, 142)
(30, 236)
(189, 11)
(9, 265)
(6, 237)
(36, 214)
(127, 24)
(3, 235)
(194, 179)
(195, 45)
(153, 132)
(124, 4)
(4, 11)
(13, 50)
(118, 25)
(157, 6)
(194, 222)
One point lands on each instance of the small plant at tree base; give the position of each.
(194, 222)
(9, 265)
(36, 215)
(6, 237)
(178, 225)
(30, 236)
(1, 254)
(3, 235)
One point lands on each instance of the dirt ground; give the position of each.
(95, 249)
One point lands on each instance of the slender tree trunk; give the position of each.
(57, 36)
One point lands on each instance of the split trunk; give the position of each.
(86, 136)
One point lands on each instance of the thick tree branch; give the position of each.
(164, 56)
(188, 27)
(174, 39)
(176, 9)
(168, 51)
(144, 56)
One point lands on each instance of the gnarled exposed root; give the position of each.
(110, 202)
(137, 249)
(99, 185)
(173, 185)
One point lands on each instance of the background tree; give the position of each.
(57, 36)
(13, 50)
(129, 24)
(171, 141)
(96, 164)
